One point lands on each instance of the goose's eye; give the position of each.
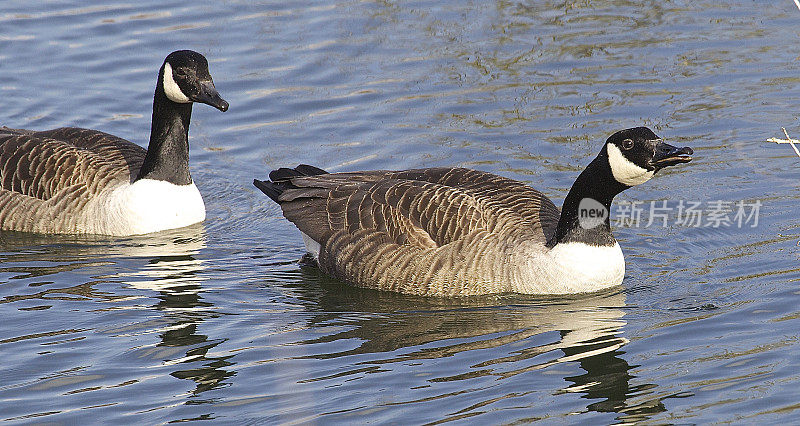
(627, 144)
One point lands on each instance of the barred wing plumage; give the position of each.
(443, 231)
(45, 175)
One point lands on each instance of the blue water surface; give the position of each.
(219, 322)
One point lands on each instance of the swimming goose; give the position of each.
(81, 181)
(458, 232)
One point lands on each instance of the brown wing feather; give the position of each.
(110, 147)
(41, 164)
(427, 231)
(45, 177)
(533, 206)
(409, 211)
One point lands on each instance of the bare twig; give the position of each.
(788, 140)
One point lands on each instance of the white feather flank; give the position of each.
(171, 88)
(625, 171)
(148, 206)
(589, 267)
(312, 246)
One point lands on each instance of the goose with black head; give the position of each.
(459, 232)
(81, 181)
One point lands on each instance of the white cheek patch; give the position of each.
(624, 170)
(171, 88)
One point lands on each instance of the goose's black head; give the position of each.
(629, 157)
(636, 154)
(185, 78)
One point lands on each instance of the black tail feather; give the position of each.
(272, 189)
(285, 173)
(310, 170)
(280, 179)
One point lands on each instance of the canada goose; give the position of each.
(82, 181)
(456, 232)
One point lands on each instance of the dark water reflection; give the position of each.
(355, 334)
(218, 322)
(524, 334)
(166, 267)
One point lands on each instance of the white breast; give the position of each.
(575, 268)
(149, 206)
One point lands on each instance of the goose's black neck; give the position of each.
(596, 183)
(167, 156)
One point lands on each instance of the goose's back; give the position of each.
(441, 231)
(48, 177)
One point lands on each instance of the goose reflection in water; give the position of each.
(127, 275)
(177, 274)
(508, 335)
(143, 296)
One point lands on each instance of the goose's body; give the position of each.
(82, 181)
(455, 231)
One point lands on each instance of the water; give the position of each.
(218, 322)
